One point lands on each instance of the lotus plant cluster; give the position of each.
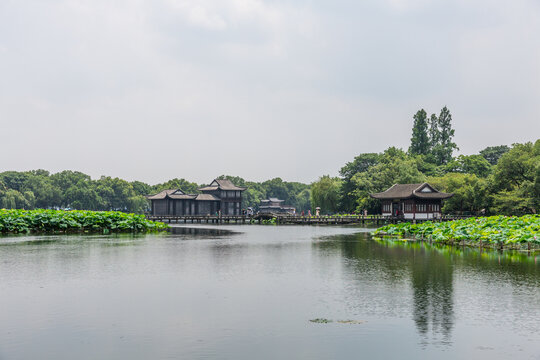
(506, 230)
(48, 221)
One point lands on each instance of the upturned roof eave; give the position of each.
(412, 196)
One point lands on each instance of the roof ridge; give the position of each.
(391, 187)
(419, 187)
(424, 185)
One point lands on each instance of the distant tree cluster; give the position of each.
(69, 189)
(76, 190)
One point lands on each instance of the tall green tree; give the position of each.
(470, 164)
(471, 193)
(515, 180)
(493, 153)
(13, 199)
(67, 178)
(444, 146)
(420, 142)
(14, 180)
(46, 194)
(141, 188)
(361, 163)
(303, 200)
(434, 133)
(325, 193)
(84, 196)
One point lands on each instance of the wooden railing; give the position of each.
(291, 219)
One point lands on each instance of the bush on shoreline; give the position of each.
(51, 221)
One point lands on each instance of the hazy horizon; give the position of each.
(155, 90)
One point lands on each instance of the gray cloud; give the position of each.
(152, 90)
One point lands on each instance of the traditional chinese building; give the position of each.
(412, 201)
(221, 196)
(275, 206)
(229, 194)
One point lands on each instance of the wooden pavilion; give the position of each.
(275, 206)
(412, 201)
(221, 196)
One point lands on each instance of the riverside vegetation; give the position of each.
(498, 231)
(52, 221)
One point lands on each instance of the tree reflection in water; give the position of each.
(390, 267)
(432, 284)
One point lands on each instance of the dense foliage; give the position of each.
(488, 230)
(23, 221)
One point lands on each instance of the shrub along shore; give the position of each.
(54, 221)
(493, 231)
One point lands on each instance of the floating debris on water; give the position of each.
(321, 321)
(351, 321)
(327, 321)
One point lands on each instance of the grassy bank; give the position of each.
(484, 231)
(51, 221)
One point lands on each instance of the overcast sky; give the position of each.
(157, 89)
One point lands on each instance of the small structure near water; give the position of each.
(412, 201)
(275, 206)
(220, 197)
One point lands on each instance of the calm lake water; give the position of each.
(249, 292)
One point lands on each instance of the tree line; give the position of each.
(499, 180)
(39, 189)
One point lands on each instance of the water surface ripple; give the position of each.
(249, 292)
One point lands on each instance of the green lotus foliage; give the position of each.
(489, 230)
(47, 221)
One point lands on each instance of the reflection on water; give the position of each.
(432, 286)
(429, 274)
(210, 233)
(429, 271)
(244, 292)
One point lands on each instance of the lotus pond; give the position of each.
(50, 221)
(494, 230)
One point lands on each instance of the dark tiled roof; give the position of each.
(162, 194)
(182, 196)
(222, 184)
(171, 194)
(207, 197)
(404, 191)
(209, 188)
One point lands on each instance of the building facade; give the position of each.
(275, 206)
(412, 201)
(229, 194)
(220, 197)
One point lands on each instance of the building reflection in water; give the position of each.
(206, 233)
